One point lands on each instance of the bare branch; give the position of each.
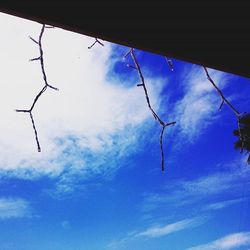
(99, 42)
(32, 39)
(130, 66)
(35, 59)
(170, 63)
(128, 53)
(155, 115)
(162, 151)
(41, 59)
(96, 41)
(37, 97)
(221, 105)
(169, 124)
(36, 136)
(52, 87)
(137, 66)
(22, 110)
(46, 84)
(224, 100)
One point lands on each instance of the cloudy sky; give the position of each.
(97, 182)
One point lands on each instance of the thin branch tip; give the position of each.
(93, 44)
(35, 59)
(170, 63)
(33, 40)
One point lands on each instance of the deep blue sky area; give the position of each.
(98, 184)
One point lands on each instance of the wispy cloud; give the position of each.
(89, 121)
(199, 105)
(185, 192)
(158, 231)
(11, 208)
(232, 241)
(223, 204)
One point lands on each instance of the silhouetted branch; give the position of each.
(170, 63)
(35, 59)
(130, 66)
(224, 100)
(96, 41)
(155, 115)
(36, 136)
(32, 39)
(128, 53)
(46, 84)
(162, 151)
(240, 134)
(137, 66)
(41, 59)
(221, 105)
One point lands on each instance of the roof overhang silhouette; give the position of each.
(214, 34)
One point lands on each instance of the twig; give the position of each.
(162, 151)
(170, 63)
(138, 68)
(130, 66)
(155, 115)
(46, 84)
(35, 131)
(96, 41)
(224, 100)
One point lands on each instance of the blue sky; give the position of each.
(97, 184)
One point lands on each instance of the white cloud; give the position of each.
(223, 204)
(158, 231)
(14, 208)
(232, 241)
(184, 192)
(81, 125)
(155, 232)
(199, 106)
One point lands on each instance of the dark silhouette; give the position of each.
(93, 44)
(243, 132)
(46, 84)
(155, 115)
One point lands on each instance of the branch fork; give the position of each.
(96, 41)
(46, 84)
(155, 115)
(224, 100)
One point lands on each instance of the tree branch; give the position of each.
(96, 41)
(35, 131)
(224, 100)
(46, 84)
(170, 63)
(155, 115)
